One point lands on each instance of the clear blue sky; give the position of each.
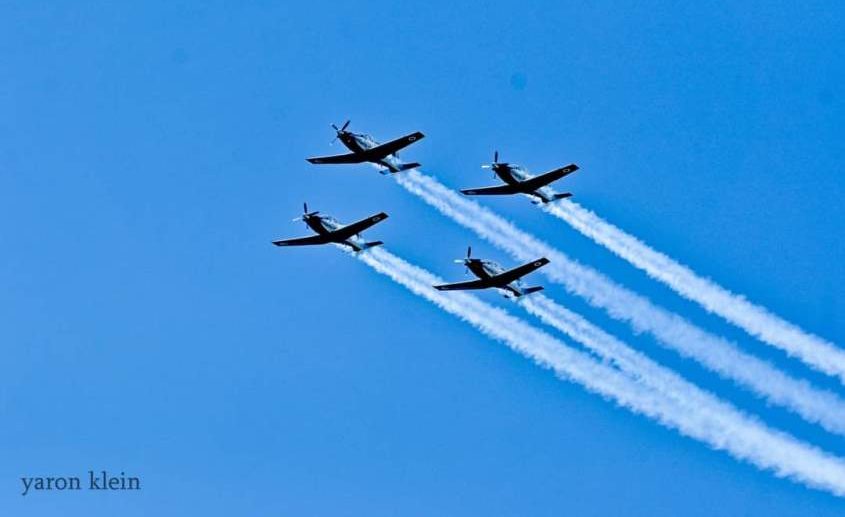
(150, 153)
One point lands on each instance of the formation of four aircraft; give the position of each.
(364, 148)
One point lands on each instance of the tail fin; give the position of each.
(406, 166)
(373, 244)
(529, 290)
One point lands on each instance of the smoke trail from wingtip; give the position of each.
(816, 352)
(670, 400)
(760, 377)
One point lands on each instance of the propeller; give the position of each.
(339, 130)
(466, 260)
(305, 213)
(494, 164)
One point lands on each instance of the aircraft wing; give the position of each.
(462, 286)
(548, 177)
(358, 227)
(383, 150)
(303, 241)
(339, 158)
(490, 191)
(518, 272)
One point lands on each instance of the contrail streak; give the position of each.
(604, 345)
(660, 395)
(757, 321)
(814, 405)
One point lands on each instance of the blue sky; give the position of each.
(149, 154)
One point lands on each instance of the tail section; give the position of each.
(529, 290)
(558, 196)
(406, 166)
(358, 247)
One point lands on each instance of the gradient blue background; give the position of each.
(150, 153)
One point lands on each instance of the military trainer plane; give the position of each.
(329, 230)
(491, 274)
(519, 181)
(365, 149)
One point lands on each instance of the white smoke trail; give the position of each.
(672, 401)
(757, 321)
(606, 346)
(814, 405)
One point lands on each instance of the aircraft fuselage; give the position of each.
(359, 143)
(513, 174)
(485, 269)
(324, 225)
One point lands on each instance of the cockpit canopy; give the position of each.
(330, 221)
(492, 267)
(362, 137)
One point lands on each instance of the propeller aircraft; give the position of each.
(491, 274)
(330, 230)
(519, 181)
(365, 149)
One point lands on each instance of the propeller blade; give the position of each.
(339, 130)
(469, 251)
(495, 156)
(305, 213)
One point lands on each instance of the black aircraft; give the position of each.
(365, 149)
(519, 181)
(329, 230)
(491, 274)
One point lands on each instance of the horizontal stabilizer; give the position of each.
(372, 244)
(407, 166)
(529, 290)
